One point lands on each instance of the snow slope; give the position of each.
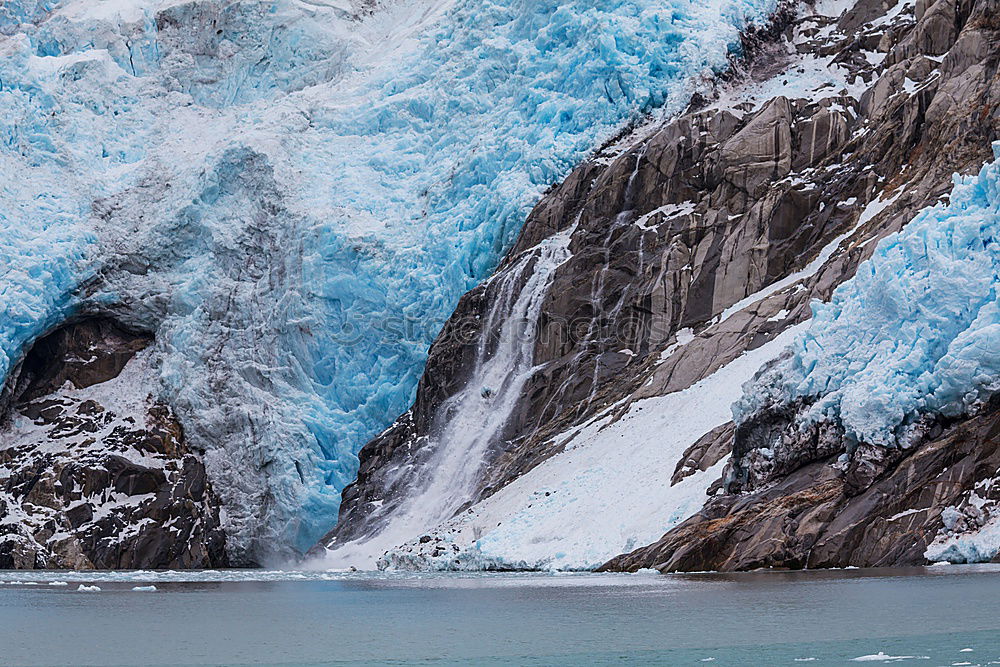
(916, 331)
(609, 492)
(293, 195)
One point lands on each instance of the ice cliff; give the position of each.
(292, 196)
(915, 333)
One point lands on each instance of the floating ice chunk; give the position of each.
(884, 657)
(978, 546)
(89, 589)
(144, 589)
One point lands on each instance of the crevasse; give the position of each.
(294, 195)
(915, 332)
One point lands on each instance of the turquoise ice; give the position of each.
(916, 332)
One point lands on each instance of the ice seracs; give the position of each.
(916, 332)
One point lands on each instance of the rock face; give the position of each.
(811, 496)
(695, 239)
(93, 472)
(880, 508)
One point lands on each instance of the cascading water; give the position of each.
(467, 423)
(625, 217)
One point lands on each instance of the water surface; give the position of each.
(924, 616)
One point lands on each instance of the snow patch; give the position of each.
(607, 493)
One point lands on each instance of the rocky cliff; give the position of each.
(93, 472)
(258, 217)
(692, 242)
(865, 482)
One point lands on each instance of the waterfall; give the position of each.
(467, 423)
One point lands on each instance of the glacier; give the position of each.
(293, 195)
(915, 333)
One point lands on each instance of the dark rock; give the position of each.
(84, 353)
(79, 515)
(112, 490)
(814, 517)
(705, 452)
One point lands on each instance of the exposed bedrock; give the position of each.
(695, 239)
(94, 473)
(803, 492)
(882, 507)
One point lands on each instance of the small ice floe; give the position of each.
(58, 583)
(144, 589)
(966, 650)
(805, 660)
(89, 589)
(708, 659)
(647, 571)
(882, 657)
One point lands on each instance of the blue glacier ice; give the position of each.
(294, 195)
(915, 332)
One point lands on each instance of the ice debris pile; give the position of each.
(915, 332)
(294, 195)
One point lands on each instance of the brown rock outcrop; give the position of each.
(93, 473)
(819, 515)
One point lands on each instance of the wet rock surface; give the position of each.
(94, 473)
(700, 237)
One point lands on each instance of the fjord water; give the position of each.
(928, 616)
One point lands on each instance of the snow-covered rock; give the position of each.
(94, 472)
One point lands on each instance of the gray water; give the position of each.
(921, 616)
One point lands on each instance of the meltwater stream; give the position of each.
(922, 616)
(468, 422)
